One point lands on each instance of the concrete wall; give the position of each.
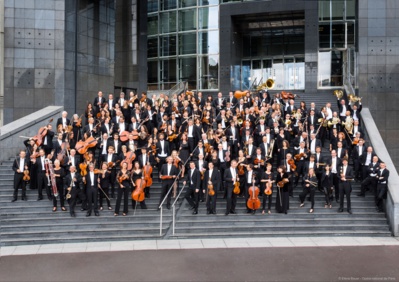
(378, 39)
(11, 143)
(377, 141)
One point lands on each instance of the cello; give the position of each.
(147, 170)
(130, 156)
(138, 193)
(253, 202)
(82, 146)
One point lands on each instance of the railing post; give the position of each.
(173, 222)
(160, 223)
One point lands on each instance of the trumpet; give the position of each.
(68, 195)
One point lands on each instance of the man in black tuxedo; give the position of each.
(20, 164)
(365, 160)
(193, 181)
(73, 160)
(219, 103)
(73, 182)
(98, 102)
(111, 159)
(47, 143)
(249, 178)
(370, 180)
(193, 135)
(162, 150)
(168, 169)
(116, 143)
(232, 100)
(345, 188)
(335, 163)
(230, 177)
(91, 181)
(382, 186)
(40, 164)
(211, 176)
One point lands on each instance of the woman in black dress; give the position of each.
(123, 178)
(59, 174)
(104, 179)
(267, 177)
(309, 187)
(89, 112)
(282, 199)
(137, 174)
(283, 151)
(184, 153)
(31, 153)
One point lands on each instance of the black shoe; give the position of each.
(350, 211)
(226, 213)
(214, 212)
(233, 212)
(49, 198)
(340, 210)
(168, 207)
(249, 211)
(24, 199)
(40, 198)
(73, 215)
(361, 195)
(254, 211)
(88, 214)
(82, 209)
(208, 212)
(195, 212)
(96, 213)
(13, 200)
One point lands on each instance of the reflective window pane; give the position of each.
(152, 6)
(208, 72)
(188, 20)
(152, 47)
(168, 45)
(168, 4)
(152, 25)
(208, 18)
(187, 3)
(350, 9)
(168, 22)
(152, 71)
(208, 42)
(330, 72)
(187, 43)
(207, 2)
(188, 71)
(168, 72)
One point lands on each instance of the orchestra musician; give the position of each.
(91, 183)
(230, 177)
(20, 164)
(123, 178)
(309, 187)
(169, 172)
(211, 177)
(267, 178)
(104, 181)
(193, 181)
(282, 198)
(345, 175)
(73, 182)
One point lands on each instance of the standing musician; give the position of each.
(63, 121)
(91, 181)
(136, 174)
(104, 182)
(327, 184)
(230, 177)
(73, 182)
(345, 188)
(20, 165)
(168, 174)
(211, 177)
(309, 187)
(250, 176)
(370, 180)
(282, 198)
(162, 151)
(267, 178)
(111, 160)
(123, 178)
(31, 153)
(59, 174)
(382, 186)
(42, 181)
(201, 165)
(193, 180)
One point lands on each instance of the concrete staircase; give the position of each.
(33, 222)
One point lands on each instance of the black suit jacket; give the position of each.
(195, 178)
(59, 121)
(17, 161)
(148, 158)
(88, 180)
(228, 178)
(349, 172)
(173, 171)
(78, 182)
(215, 179)
(339, 162)
(384, 175)
(117, 150)
(166, 147)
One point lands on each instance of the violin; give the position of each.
(258, 161)
(147, 170)
(236, 189)
(241, 169)
(130, 156)
(153, 149)
(291, 162)
(34, 155)
(82, 146)
(298, 157)
(281, 183)
(83, 166)
(124, 136)
(26, 176)
(123, 177)
(269, 184)
(208, 148)
(355, 141)
(253, 202)
(138, 193)
(211, 191)
(176, 162)
(62, 154)
(79, 122)
(172, 137)
(288, 95)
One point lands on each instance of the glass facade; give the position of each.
(183, 44)
(336, 42)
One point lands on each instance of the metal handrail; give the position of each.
(170, 190)
(174, 209)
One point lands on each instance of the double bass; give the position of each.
(147, 170)
(253, 202)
